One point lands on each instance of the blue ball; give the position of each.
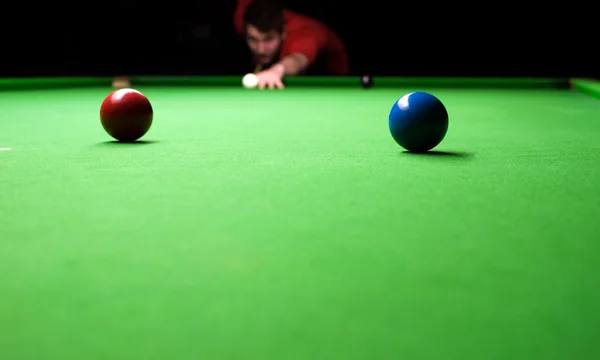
(418, 121)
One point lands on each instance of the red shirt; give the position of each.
(325, 51)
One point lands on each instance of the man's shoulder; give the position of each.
(296, 22)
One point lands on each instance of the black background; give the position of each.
(383, 38)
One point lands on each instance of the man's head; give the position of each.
(265, 31)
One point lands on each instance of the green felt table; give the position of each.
(279, 225)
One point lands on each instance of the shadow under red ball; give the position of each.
(126, 115)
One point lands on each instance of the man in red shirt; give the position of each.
(287, 43)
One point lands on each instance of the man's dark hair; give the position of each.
(264, 15)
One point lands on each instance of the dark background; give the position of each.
(496, 38)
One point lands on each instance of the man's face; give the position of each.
(264, 46)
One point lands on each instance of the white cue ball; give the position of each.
(250, 81)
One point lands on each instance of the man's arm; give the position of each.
(298, 54)
(302, 51)
(292, 64)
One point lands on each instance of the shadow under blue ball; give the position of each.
(418, 121)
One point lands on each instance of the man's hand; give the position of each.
(293, 64)
(121, 82)
(271, 78)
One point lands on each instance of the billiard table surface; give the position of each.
(288, 224)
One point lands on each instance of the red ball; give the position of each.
(126, 115)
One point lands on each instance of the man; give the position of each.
(284, 42)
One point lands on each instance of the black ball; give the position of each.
(366, 81)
